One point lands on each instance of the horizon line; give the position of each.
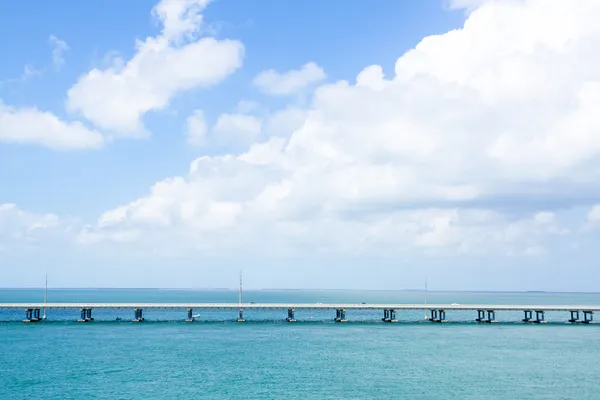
(295, 289)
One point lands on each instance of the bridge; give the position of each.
(485, 312)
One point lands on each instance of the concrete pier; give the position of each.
(290, 317)
(86, 315)
(139, 315)
(528, 316)
(434, 316)
(438, 315)
(389, 315)
(240, 317)
(490, 319)
(32, 315)
(480, 316)
(190, 315)
(540, 317)
(574, 316)
(588, 317)
(340, 315)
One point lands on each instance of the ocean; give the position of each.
(315, 358)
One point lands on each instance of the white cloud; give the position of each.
(32, 126)
(235, 129)
(594, 214)
(469, 5)
(180, 18)
(28, 71)
(196, 128)
(246, 106)
(285, 122)
(87, 237)
(18, 226)
(544, 217)
(12, 219)
(501, 112)
(116, 98)
(371, 77)
(58, 52)
(280, 84)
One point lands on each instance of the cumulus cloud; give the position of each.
(246, 106)
(594, 214)
(32, 126)
(228, 203)
(285, 83)
(17, 225)
(284, 122)
(174, 61)
(60, 47)
(500, 112)
(236, 129)
(196, 128)
(544, 217)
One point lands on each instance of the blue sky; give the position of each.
(312, 144)
(94, 29)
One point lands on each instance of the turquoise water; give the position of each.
(266, 358)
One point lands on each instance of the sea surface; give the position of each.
(315, 358)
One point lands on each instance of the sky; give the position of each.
(343, 145)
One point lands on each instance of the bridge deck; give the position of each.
(303, 306)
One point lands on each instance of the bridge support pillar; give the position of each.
(240, 317)
(190, 317)
(442, 314)
(86, 315)
(32, 315)
(139, 315)
(528, 316)
(290, 317)
(480, 316)
(574, 316)
(434, 316)
(438, 316)
(340, 315)
(588, 317)
(491, 316)
(539, 317)
(389, 315)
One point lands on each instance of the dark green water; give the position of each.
(266, 358)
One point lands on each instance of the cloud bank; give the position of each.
(500, 112)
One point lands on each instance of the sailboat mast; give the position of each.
(240, 293)
(241, 312)
(45, 296)
(426, 317)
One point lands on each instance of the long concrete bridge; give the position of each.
(485, 312)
